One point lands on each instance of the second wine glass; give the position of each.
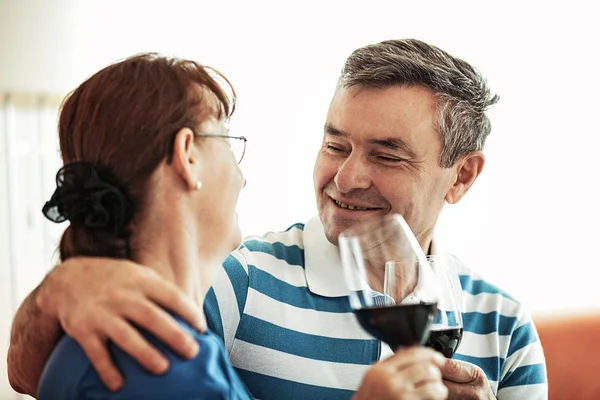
(447, 328)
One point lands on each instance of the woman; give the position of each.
(149, 175)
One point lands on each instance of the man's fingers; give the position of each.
(459, 391)
(97, 352)
(128, 339)
(157, 321)
(172, 298)
(406, 357)
(432, 390)
(460, 372)
(465, 381)
(423, 373)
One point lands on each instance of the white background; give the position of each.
(530, 222)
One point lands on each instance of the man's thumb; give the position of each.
(459, 371)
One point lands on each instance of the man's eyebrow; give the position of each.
(330, 130)
(392, 143)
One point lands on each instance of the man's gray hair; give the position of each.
(463, 94)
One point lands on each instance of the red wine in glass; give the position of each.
(445, 341)
(398, 325)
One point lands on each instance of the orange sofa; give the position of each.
(572, 348)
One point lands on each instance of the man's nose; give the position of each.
(353, 174)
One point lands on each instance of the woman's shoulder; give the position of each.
(205, 374)
(67, 367)
(208, 374)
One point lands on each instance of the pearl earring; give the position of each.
(198, 185)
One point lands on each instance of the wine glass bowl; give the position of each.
(385, 271)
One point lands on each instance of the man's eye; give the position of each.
(334, 148)
(390, 159)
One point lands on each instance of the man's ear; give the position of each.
(185, 157)
(467, 170)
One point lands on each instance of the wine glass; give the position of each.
(385, 271)
(446, 330)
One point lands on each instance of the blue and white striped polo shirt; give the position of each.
(283, 313)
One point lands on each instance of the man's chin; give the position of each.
(335, 225)
(332, 238)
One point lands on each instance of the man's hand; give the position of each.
(99, 299)
(410, 374)
(466, 381)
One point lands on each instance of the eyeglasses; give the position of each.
(237, 144)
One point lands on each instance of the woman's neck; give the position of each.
(177, 248)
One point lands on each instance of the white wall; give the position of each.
(529, 224)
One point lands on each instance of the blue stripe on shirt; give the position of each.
(298, 225)
(348, 351)
(450, 318)
(491, 322)
(213, 314)
(525, 375)
(239, 280)
(270, 388)
(521, 337)
(476, 286)
(490, 365)
(297, 296)
(291, 254)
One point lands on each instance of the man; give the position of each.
(404, 134)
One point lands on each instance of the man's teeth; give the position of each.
(348, 206)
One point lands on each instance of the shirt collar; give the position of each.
(322, 263)
(435, 247)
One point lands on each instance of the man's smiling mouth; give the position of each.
(346, 206)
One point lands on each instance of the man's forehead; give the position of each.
(386, 112)
(407, 96)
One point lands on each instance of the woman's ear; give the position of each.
(467, 170)
(185, 157)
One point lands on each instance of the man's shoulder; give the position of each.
(487, 307)
(499, 335)
(287, 245)
(290, 236)
(475, 284)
